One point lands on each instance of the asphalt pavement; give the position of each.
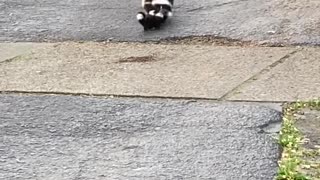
(67, 137)
(289, 22)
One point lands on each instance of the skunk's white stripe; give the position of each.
(152, 12)
(140, 17)
(159, 15)
(144, 2)
(161, 2)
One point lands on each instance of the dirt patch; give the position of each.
(308, 123)
(139, 59)
(207, 40)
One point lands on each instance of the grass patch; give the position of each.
(291, 141)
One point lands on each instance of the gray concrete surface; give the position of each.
(137, 69)
(65, 137)
(297, 78)
(274, 21)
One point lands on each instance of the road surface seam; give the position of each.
(257, 75)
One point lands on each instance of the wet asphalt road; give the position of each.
(258, 20)
(65, 137)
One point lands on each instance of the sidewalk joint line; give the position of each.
(256, 76)
(190, 99)
(9, 60)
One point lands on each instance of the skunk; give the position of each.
(156, 13)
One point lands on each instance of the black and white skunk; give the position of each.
(156, 13)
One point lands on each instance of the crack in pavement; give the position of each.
(227, 3)
(214, 6)
(272, 127)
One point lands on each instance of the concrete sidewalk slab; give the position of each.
(297, 78)
(137, 69)
(11, 50)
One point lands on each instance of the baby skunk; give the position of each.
(156, 13)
